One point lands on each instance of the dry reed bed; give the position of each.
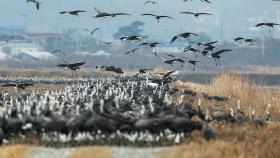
(15, 151)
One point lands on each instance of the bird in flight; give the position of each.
(37, 3)
(92, 31)
(152, 45)
(105, 14)
(73, 12)
(196, 14)
(151, 2)
(131, 51)
(217, 55)
(117, 70)
(200, 0)
(131, 38)
(185, 35)
(20, 85)
(193, 63)
(239, 39)
(270, 25)
(157, 17)
(73, 67)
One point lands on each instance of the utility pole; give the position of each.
(221, 30)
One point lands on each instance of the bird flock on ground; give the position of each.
(143, 108)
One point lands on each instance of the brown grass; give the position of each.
(92, 152)
(244, 142)
(15, 151)
(38, 88)
(235, 140)
(251, 95)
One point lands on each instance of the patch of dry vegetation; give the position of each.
(38, 88)
(92, 152)
(233, 140)
(251, 95)
(52, 73)
(15, 151)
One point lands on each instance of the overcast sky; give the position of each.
(238, 16)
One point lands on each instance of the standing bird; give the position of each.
(268, 116)
(157, 17)
(37, 3)
(257, 122)
(208, 132)
(185, 35)
(196, 14)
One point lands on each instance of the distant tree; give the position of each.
(135, 28)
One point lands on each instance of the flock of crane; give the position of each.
(123, 111)
(143, 108)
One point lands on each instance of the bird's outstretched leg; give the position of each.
(193, 68)
(75, 73)
(216, 62)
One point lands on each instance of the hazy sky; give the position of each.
(238, 16)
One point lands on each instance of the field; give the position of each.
(233, 140)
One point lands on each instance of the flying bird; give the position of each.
(151, 2)
(117, 70)
(142, 71)
(73, 67)
(196, 14)
(239, 39)
(131, 51)
(92, 31)
(105, 14)
(193, 63)
(152, 45)
(200, 0)
(157, 17)
(21, 85)
(216, 55)
(37, 3)
(270, 25)
(74, 12)
(185, 35)
(131, 38)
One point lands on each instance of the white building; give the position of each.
(16, 50)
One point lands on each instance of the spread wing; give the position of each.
(9, 85)
(168, 73)
(77, 64)
(62, 65)
(148, 14)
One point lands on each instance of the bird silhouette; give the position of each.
(195, 14)
(157, 17)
